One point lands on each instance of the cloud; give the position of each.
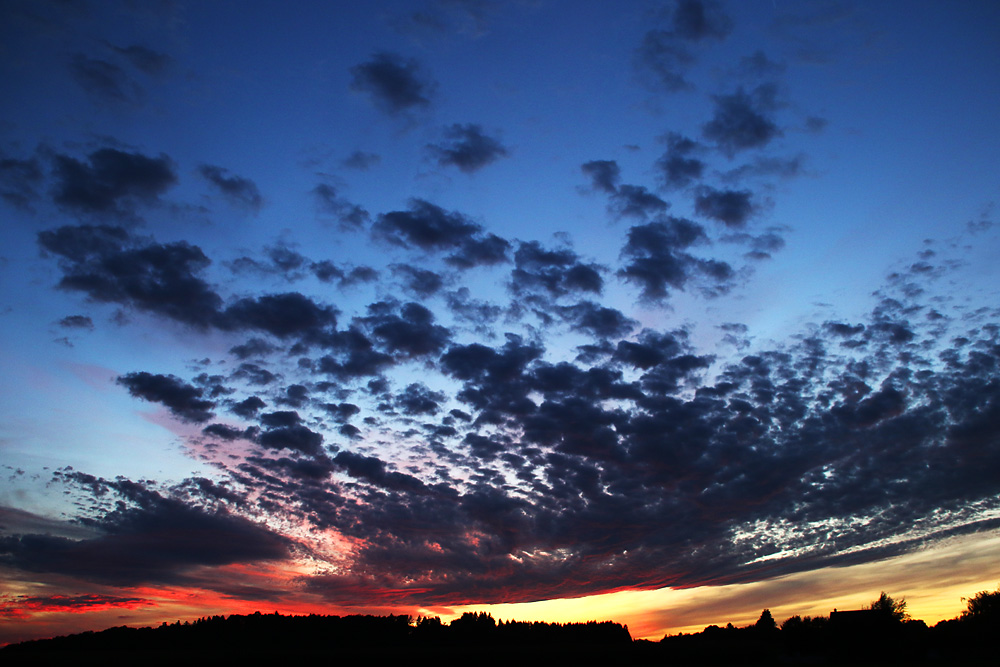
(700, 19)
(658, 261)
(77, 322)
(153, 63)
(350, 216)
(667, 53)
(625, 200)
(467, 147)
(668, 58)
(552, 273)
(147, 538)
(111, 182)
(600, 321)
(636, 201)
(677, 167)
(763, 167)
(395, 84)
(281, 260)
(295, 437)
(410, 333)
(418, 399)
(105, 82)
(420, 282)
(108, 264)
(237, 189)
(288, 315)
(646, 465)
(759, 66)
(604, 174)
(19, 180)
(361, 160)
(740, 121)
(23, 605)
(732, 208)
(432, 229)
(183, 400)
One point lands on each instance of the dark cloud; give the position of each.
(394, 83)
(765, 167)
(20, 180)
(349, 216)
(678, 168)
(552, 273)
(668, 58)
(77, 322)
(420, 282)
(373, 470)
(815, 124)
(658, 261)
(110, 182)
(639, 450)
(328, 272)
(625, 200)
(741, 121)
(109, 265)
(596, 320)
(228, 433)
(426, 226)
(432, 229)
(341, 412)
(759, 66)
(667, 53)
(467, 147)
(637, 202)
(486, 250)
(248, 407)
(237, 189)
(254, 374)
(253, 348)
(700, 19)
(144, 59)
(183, 400)
(285, 315)
(732, 208)
(604, 175)
(148, 538)
(410, 333)
(481, 314)
(105, 81)
(295, 396)
(361, 160)
(762, 246)
(353, 355)
(293, 436)
(418, 399)
(279, 260)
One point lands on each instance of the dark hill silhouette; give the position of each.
(879, 634)
(257, 635)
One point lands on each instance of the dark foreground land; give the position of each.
(476, 639)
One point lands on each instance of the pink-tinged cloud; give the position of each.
(26, 606)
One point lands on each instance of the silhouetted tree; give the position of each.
(766, 622)
(983, 606)
(889, 608)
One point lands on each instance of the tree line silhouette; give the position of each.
(882, 632)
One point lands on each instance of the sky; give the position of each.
(659, 312)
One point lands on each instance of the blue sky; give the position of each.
(469, 302)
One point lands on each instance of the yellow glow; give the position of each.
(932, 580)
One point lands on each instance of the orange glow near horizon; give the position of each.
(933, 581)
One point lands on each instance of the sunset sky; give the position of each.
(654, 312)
